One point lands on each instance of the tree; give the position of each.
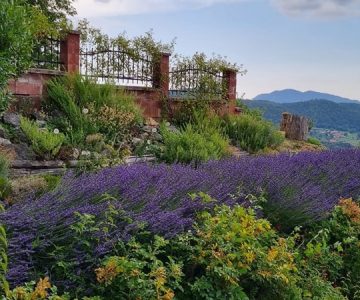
(55, 10)
(20, 25)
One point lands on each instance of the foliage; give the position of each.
(252, 133)
(87, 108)
(142, 48)
(300, 190)
(93, 37)
(56, 11)
(5, 187)
(45, 143)
(20, 26)
(192, 146)
(336, 253)
(144, 272)
(40, 291)
(205, 85)
(314, 141)
(29, 186)
(4, 285)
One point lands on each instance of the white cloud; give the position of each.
(319, 8)
(102, 8)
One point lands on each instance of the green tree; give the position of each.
(55, 10)
(20, 25)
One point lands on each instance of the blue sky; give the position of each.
(300, 44)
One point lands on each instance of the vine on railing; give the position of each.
(120, 60)
(200, 78)
(117, 65)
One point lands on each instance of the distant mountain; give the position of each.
(325, 114)
(291, 96)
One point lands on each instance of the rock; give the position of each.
(144, 136)
(76, 153)
(157, 137)
(85, 153)
(23, 152)
(4, 141)
(12, 119)
(151, 122)
(147, 129)
(68, 153)
(172, 128)
(41, 123)
(137, 141)
(154, 130)
(96, 155)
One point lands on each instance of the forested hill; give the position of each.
(291, 96)
(324, 113)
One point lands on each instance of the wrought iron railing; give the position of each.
(191, 82)
(46, 54)
(118, 66)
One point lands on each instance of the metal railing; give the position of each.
(118, 66)
(190, 82)
(46, 54)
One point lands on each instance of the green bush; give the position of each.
(333, 248)
(5, 187)
(251, 133)
(45, 144)
(86, 108)
(314, 141)
(4, 286)
(230, 254)
(191, 146)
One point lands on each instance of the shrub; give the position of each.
(5, 187)
(45, 144)
(339, 242)
(314, 141)
(300, 190)
(88, 108)
(4, 286)
(191, 146)
(252, 133)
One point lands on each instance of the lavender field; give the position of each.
(299, 190)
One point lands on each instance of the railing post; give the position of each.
(161, 73)
(230, 81)
(70, 52)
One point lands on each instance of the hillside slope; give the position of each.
(325, 114)
(291, 96)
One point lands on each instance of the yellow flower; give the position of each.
(250, 257)
(169, 295)
(160, 276)
(20, 293)
(40, 290)
(135, 273)
(272, 254)
(264, 273)
(108, 273)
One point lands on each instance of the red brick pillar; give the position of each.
(230, 81)
(70, 52)
(161, 74)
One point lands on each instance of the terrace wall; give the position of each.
(31, 86)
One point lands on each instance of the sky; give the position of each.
(298, 44)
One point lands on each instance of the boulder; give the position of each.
(151, 122)
(12, 119)
(4, 141)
